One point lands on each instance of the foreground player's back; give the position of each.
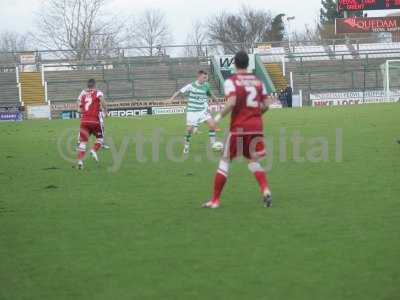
(246, 100)
(250, 95)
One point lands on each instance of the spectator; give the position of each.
(282, 98)
(289, 96)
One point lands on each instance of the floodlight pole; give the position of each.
(289, 29)
(284, 65)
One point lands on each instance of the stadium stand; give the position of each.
(9, 89)
(275, 54)
(145, 78)
(67, 85)
(336, 75)
(330, 52)
(375, 50)
(329, 68)
(342, 51)
(328, 49)
(308, 52)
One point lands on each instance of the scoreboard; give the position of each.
(356, 5)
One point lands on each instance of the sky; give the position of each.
(18, 15)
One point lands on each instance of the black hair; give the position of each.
(91, 83)
(242, 60)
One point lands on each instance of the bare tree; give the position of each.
(106, 45)
(196, 39)
(310, 33)
(76, 26)
(10, 44)
(242, 30)
(150, 31)
(11, 41)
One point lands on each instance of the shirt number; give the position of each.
(88, 102)
(251, 96)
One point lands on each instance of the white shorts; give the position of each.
(101, 118)
(198, 117)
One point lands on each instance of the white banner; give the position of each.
(297, 101)
(215, 108)
(276, 105)
(38, 112)
(27, 59)
(226, 63)
(129, 113)
(354, 97)
(171, 110)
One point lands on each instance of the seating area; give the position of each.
(271, 55)
(334, 65)
(379, 50)
(329, 52)
(309, 53)
(315, 68)
(336, 75)
(139, 79)
(9, 89)
(343, 51)
(67, 85)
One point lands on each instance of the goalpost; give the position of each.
(391, 76)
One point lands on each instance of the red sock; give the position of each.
(97, 147)
(81, 155)
(219, 183)
(262, 180)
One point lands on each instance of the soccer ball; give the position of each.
(218, 147)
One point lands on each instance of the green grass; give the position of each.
(138, 232)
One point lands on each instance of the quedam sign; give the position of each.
(366, 25)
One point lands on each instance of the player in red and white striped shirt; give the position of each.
(91, 104)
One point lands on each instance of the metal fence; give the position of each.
(180, 50)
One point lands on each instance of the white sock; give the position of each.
(213, 137)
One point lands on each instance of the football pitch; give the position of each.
(131, 227)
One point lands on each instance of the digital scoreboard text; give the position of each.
(356, 5)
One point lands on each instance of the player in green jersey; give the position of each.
(197, 93)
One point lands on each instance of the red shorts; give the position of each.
(88, 129)
(251, 146)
